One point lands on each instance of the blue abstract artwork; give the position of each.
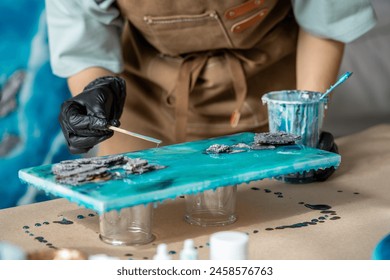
(30, 98)
(189, 169)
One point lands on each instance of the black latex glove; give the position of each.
(85, 117)
(326, 143)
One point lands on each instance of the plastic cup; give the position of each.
(212, 207)
(129, 226)
(300, 113)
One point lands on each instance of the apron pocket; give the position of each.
(181, 34)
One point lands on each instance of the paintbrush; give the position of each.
(147, 138)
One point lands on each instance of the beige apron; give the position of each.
(198, 69)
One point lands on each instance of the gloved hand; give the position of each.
(85, 117)
(326, 143)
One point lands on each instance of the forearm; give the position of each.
(318, 62)
(78, 81)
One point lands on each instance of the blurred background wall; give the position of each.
(364, 100)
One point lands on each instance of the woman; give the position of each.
(192, 69)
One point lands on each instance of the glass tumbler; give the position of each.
(128, 226)
(212, 207)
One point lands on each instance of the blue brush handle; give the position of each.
(342, 79)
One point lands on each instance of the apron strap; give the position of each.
(189, 72)
(188, 75)
(239, 84)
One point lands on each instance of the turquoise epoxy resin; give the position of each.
(189, 169)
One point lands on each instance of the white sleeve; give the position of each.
(343, 21)
(84, 34)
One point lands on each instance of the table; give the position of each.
(272, 213)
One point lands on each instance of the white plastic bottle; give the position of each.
(162, 253)
(188, 252)
(98, 257)
(229, 245)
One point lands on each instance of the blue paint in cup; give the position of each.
(300, 113)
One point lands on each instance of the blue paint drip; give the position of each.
(323, 207)
(297, 112)
(41, 239)
(335, 218)
(63, 222)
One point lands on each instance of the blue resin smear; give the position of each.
(189, 170)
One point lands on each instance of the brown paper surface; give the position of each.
(359, 193)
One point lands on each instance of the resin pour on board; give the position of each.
(189, 170)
